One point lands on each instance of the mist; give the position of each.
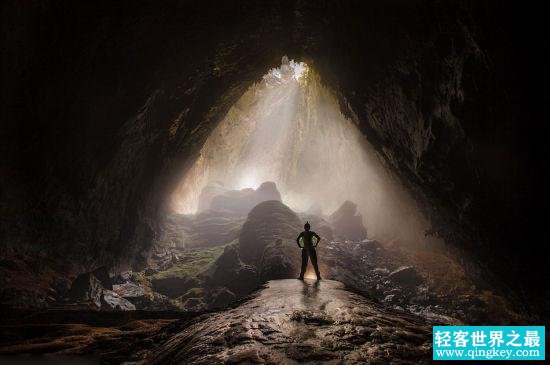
(288, 128)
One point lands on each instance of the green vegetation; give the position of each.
(192, 262)
(143, 281)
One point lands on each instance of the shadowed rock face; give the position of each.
(232, 273)
(106, 106)
(294, 321)
(86, 287)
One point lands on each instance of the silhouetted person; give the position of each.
(308, 250)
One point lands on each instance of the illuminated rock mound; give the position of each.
(269, 223)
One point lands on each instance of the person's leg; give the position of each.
(313, 255)
(304, 263)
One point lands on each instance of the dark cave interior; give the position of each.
(106, 105)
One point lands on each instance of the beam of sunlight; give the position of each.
(288, 128)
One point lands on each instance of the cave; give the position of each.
(159, 160)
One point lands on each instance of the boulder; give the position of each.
(406, 275)
(86, 288)
(280, 260)
(112, 301)
(129, 290)
(102, 274)
(347, 224)
(267, 191)
(230, 272)
(267, 222)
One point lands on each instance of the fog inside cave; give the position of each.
(288, 128)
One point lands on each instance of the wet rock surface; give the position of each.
(292, 321)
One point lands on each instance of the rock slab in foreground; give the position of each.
(292, 321)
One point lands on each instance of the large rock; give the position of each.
(220, 298)
(230, 272)
(86, 288)
(129, 290)
(406, 275)
(280, 260)
(266, 223)
(112, 301)
(89, 288)
(241, 202)
(102, 274)
(347, 224)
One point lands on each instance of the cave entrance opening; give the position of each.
(287, 135)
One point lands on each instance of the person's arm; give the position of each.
(298, 239)
(318, 238)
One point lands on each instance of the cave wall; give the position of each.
(105, 105)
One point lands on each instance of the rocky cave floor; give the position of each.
(216, 289)
(286, 321)
(292, 321)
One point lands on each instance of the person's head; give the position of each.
(307, 226)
